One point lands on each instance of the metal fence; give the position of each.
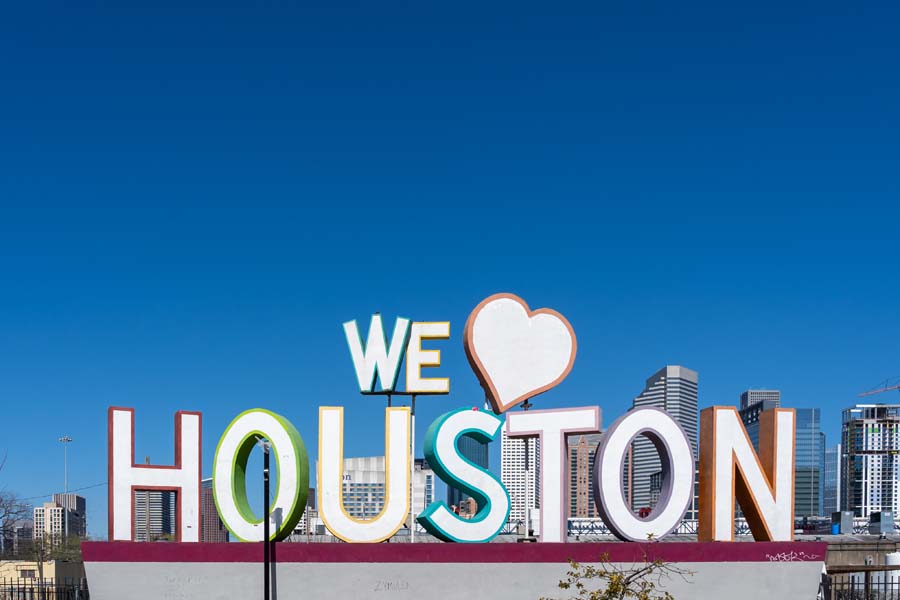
(596, 526)
(29, 589)
(860, 587)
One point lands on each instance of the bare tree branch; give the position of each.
(640, 581)
(12, 510)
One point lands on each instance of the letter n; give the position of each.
(730, 469)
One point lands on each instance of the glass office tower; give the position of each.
(809, 454)
(809, 469)
(477, 453)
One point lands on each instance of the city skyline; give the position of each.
(820, 470)
(768, 397)
(674, 389)
(477, 453)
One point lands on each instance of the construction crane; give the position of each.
(885, 386)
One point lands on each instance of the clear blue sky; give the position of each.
(194, 198)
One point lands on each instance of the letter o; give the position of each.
(230, 475)
(677, 474)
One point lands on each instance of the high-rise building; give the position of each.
(750, 412)
(674, 390)
(809, 450)
(363, 488)
(77, 508)
(475, 452)
(693, 511)
(309, 514)
(364, 485)
(423, 486)
(751, 397)
(809, 464)
(48, 521)
(52, 518)
(211, 526)
(628, 474)
(522, 493)
(71, 502)
(832, 500)
(154, 515)
(870, 459)
(582, 449)
(17, 537)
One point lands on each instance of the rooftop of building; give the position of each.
(674, 371)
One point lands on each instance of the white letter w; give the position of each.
(377, 357)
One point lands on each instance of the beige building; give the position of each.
(53, 570)
(468, 508)
(48, 521)
(53, 518)
(582, 449)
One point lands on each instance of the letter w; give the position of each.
(377, 357)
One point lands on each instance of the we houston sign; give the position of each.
(516, 353)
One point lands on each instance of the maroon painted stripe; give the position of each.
(455, 553)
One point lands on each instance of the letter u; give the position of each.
(330, 477)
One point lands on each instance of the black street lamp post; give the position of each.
(266, 547)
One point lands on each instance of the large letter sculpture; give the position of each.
(552, 426)
(330, 478)
(729, 468)
(125, 477)
(455, 470)
(517, 353)
(417, 357)
(230, 475)
(677, 462)
(377, 358)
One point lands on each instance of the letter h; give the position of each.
(126, 477)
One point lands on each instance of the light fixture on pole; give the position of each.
(65, 440)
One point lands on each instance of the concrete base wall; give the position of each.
(526, 572)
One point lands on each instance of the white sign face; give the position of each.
(517, 353)
(230, 475)
(377, 358)
(730, 470)
(677, 463)
(552, 427)
(442, 452)
(417, 357)
(330, 477)
(125, 476)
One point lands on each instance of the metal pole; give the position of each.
(525, 406)
(65, 442)
(412, 474)
(527, 495)
(66, 490)
(266, 547)
(147, 507)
